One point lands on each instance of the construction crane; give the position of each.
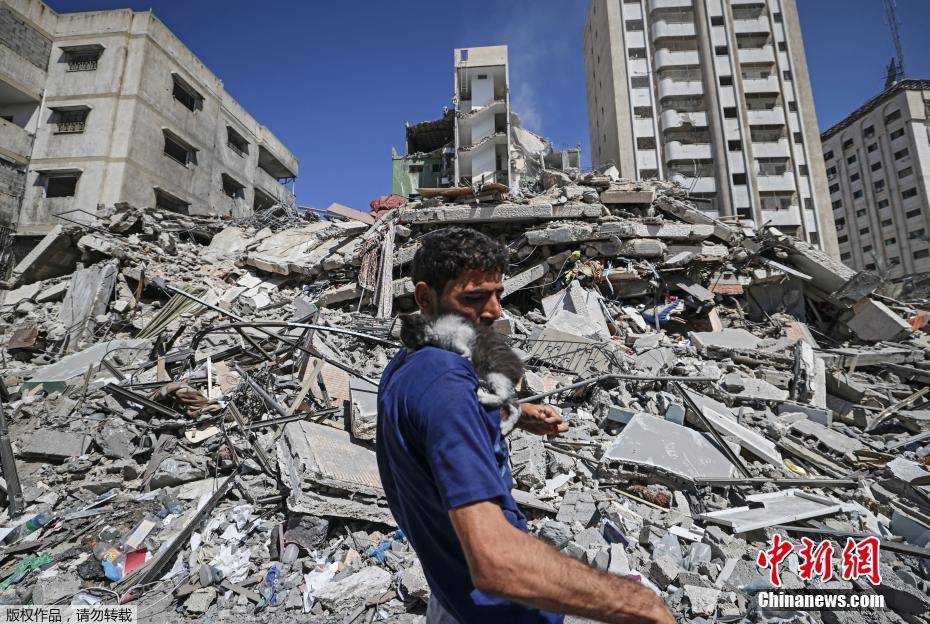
(895, 70)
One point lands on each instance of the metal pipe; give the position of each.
(615, 376)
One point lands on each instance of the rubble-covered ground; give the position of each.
(191, 407)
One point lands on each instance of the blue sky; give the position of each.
(337, 80)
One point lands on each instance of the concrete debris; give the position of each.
(205, 390)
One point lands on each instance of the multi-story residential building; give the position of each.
(714, 95)
(878, 171)
(482, 115)
(109, 106)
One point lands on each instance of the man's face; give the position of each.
(475, 295)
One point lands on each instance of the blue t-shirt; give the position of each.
(439, 449)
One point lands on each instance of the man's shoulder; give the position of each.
(429, 365)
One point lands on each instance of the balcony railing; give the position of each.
(85, 64)
(236, 148)
(70, 127)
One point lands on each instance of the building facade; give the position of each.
(109, 106)
(714, 95)
(878, 171)
(482, 115)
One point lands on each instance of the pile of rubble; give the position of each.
(188, 407)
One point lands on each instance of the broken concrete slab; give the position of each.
(648, 444)
(873, 321)
(723, 420)
(774, 508)
(732, 338)
(510, 213)
(88, 295)
(364, 416)
(620, 196)
(54, 377)
(53, 446)
(53, 256)
(513, 283)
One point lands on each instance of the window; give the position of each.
(739, 178)
(636, 53)
(744, 212)
(905, 172)
(851, 159)
(845, 256)
(916, 233)
(871, 148)
(840, 223)
(70, 120)
(648, 174)
(81, 58)
(835, 188)
(232, 188)
(878, 185)
(186, 94)
(883, 204)
(864, 230)
(891, 241)
(645, 143)
(729, 112)
(842, 239)
(721, 50)
(876, 166)
(814, 237)
(871, 265)
(892, 116)
(638, 82)
(828, 155)
(857, 194)
(782, 46)
(837, 204)
(179, 150)
(716, 20)
(726, 81)
(60, 184)
(910, 214)
(894, 260)
(901, 154)
(414, 168)
(866, 249)
(798, 137)
(831, 172)
(869, 132)
(786, 74)
(436, 168)
(897, 134)
(847, 143)
(167, 201)
(634, 25)
(793, 106)
(735, 146)
(921, 253)
(911, 192)
(643, 112)
(854, 177)
(777, 16)
(236, 142)
(802, 169)
(860, 212)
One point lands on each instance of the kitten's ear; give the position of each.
(413, 330)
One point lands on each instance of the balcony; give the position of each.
(272, 187)
(676, 150)
(767, 117)
(669, 4)
(757, 56)
(677, 119)
(789, 216)
(669, 87)
(771, 149)
(751, 25)
(701, 184)
(15, 141)
(775, 183)
(676, 58)
(662, 29)
(761, 85)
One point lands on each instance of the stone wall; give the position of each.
(23, 38)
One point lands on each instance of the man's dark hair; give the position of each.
(445, 254)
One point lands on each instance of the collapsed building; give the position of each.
(191, 414)
(480, 141)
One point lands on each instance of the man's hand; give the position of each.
(541, 419)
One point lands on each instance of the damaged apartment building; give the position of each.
(714, 95)
(107, 107)
(479, 141)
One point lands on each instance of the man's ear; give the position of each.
(425, 297)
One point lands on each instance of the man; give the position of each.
(446, 472)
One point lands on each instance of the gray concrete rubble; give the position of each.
(199, 395)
